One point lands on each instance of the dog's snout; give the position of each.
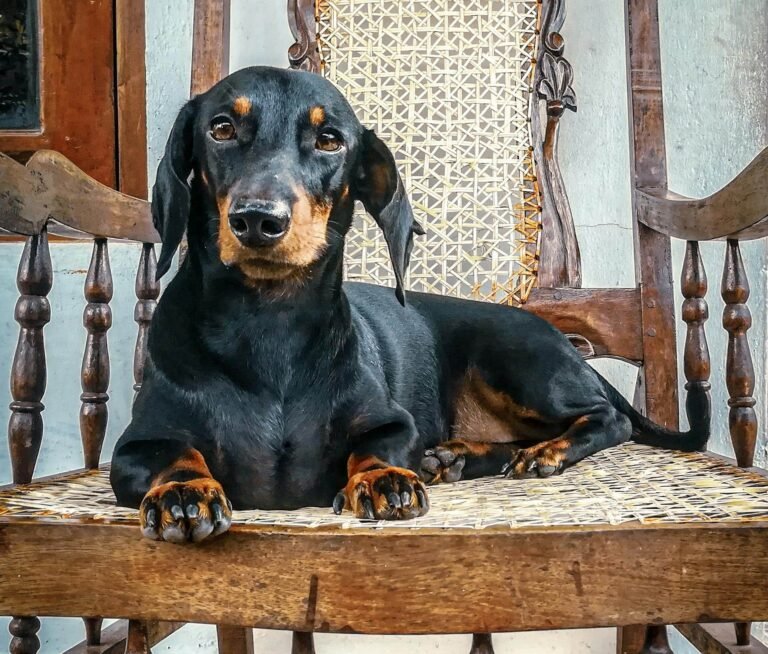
(259, 222)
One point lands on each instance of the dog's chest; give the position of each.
(278, 452)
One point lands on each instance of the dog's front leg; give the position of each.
(180, 500)
(381, 485)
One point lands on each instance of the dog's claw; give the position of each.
(177, 513)
(338, 502)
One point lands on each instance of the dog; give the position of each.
(271, 384)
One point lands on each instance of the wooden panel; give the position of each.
(77, 72)
(210, 44)
(609, 318)
(131, 97)
(328, 580)
(740, 206)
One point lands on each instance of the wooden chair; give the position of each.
(632, 536)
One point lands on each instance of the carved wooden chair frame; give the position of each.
(634, 324)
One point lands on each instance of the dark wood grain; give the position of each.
(739, 208)
(716, 638)
(234, 640)
(51, 186)
(657, 392)
(147, 291)
(656, 389)
(28, 371)
(24, 638)
(609, 588)
(608, 318)
(740, 373)
(695, 313)
(210, 44)
(560, 262)
(303, 54)
(94, 374)
(131, 79)
(138, 638)
(78, 88)
(303, 642)
(482, 644)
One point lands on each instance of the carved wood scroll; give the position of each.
(303, 53)
(560, 261)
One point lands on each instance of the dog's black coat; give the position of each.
(277, 384)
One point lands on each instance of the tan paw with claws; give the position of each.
(384, 494)
(185, 511)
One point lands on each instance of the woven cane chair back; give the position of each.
(448, 86)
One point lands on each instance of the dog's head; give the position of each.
(276, 159)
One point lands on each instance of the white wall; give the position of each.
(716, 82)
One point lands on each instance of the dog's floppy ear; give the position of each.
(379, 187)
(171, 194)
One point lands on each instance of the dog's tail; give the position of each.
(647, 432)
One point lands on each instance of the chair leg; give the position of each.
(138, 638)
(24, 631)
(93, 630)
(482, 644)
(234, 640)
(303, 643)
(642, 639)
(743, 633)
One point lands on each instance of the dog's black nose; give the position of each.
(259, 222)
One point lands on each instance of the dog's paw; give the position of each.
(384, 494)
(542, 460)
(185, 511)
(444, 463)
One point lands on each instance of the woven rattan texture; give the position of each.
(631, 483)
(447, 86)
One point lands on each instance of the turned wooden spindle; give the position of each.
(28, 380)
(97, 319)
(147, 292)
(739, 372)
(28, 372)
(482, 644)
(24, 632)
(696, 363)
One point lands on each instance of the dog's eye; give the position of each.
(328, 142)
(222, 129)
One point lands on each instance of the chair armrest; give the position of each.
(738, 210)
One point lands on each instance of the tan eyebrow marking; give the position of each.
(242, 105)
(316, 116)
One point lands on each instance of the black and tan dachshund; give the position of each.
(271, 384)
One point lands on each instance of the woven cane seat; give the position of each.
(447, 85)
(628, 484)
